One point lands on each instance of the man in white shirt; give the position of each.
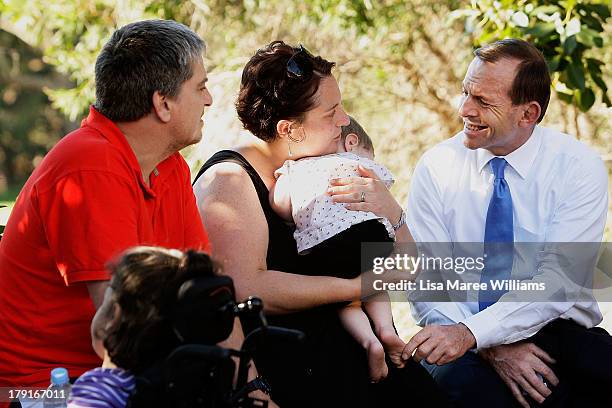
(554, 189)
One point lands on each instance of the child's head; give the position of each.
(354, 139)
(134, 325)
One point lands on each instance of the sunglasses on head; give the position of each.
(300, 64)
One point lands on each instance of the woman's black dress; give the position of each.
(330, 369)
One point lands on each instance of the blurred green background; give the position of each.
(400, 67)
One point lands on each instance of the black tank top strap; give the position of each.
(235, 157)
(282, 250)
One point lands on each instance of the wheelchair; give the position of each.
(198, 373)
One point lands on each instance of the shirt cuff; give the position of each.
(483, 327)
(86, 276)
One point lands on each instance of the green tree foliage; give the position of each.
(29, 127)
(400, 62)
(569, 33)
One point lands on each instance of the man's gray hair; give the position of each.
(139, 59)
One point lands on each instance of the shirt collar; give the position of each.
(520, 160)
(109, 130)
(112, 133)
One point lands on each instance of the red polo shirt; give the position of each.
(84, 204)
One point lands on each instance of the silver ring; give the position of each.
(363, 196)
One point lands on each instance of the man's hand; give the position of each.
(440, 344)
(517, 365)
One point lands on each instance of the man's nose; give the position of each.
(208, 99)
(467, 107)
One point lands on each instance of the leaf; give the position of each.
(594, 65)
(546, 10)
(606, 100)
(573, 27)
(567, 98)
(553, 64)
(585, 99)
(575, 75)
(599, 81)
(585, 38)
(592, 23)
(600, 9)
(541, 29)
(520, 19)
(598, 41)
(569, 45)
(590, 38)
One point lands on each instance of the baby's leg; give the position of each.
(379, 311)
(357, 324)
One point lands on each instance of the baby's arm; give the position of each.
(357, 324)
(280, 197)
(379, 311)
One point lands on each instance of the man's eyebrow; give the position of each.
(203, 82)
(479, 97)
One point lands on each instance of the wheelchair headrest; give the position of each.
(204, 312)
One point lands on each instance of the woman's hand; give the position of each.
(365, 193)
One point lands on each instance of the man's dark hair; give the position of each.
(146, 282)
(269, 93)
(139, 59)
(354, 127)
(532, 79)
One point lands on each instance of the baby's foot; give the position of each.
(376, 361)
(393, 345)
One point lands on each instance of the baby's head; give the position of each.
(355, 140)
(135, 323)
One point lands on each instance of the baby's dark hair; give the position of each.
(355, 127)
(145, 284)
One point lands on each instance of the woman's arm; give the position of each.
(238, 233)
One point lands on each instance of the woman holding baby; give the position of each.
(291, 102)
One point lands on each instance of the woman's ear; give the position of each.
(283, 128)
(161, 107)
(351, 142)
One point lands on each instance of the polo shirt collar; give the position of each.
(521, 159)
(109, 130)
(112, 133)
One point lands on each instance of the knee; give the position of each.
(470, 382)
(455, 377)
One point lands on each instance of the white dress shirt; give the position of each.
(559, 194)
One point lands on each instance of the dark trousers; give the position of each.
(583, 359)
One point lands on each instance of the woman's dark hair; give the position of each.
(269, 92)
(532, 79)
(139, 59)
(145, 283)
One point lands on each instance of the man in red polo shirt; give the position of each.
(116, 182)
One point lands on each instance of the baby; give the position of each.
(329, 236)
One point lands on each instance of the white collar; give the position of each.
(521, 159)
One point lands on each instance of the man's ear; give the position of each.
(351, 142)
(531, 114)
(283, 128)
(161, 106)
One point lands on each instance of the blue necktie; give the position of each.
(499, 236)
